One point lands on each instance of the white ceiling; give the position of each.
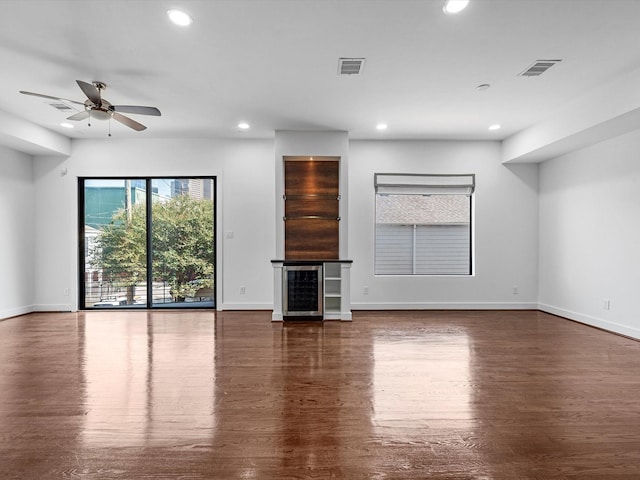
(273, 63)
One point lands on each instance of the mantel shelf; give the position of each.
(312, 195)
(310, 217)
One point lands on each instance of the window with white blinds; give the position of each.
(423, 224)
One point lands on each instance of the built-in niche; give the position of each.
(311, 208)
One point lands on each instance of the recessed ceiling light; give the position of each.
(495, 127)
(66, 125)
(451, 7)
(483, 86)
(180, 18)
(381, 126)
(243, 126)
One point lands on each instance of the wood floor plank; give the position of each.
(391, 395)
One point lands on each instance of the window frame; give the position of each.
(425, 184)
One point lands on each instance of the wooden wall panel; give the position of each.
(305, 206)
(312, 189)
(311, 239)
(309, 177)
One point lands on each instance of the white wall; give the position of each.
(590, 235)
(506, 213)
(246, 209)
(505, 220)
(17, 238)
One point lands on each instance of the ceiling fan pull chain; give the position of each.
(109, 126)
(89, 124)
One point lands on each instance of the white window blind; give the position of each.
(442, 250)
(419, 184)
(394, 250)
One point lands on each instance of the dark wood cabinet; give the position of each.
(312, 208)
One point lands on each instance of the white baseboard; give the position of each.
(246, 306)
(53, 307)
(446, 306)
(592, 321)
(14, 312)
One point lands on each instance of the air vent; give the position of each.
(350, 66)
(63, 107)
(538, 68)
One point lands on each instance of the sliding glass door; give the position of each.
(182, 243)
(147, 242)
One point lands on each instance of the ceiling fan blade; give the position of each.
(128, 122)
(136, 109)
(79, 116)
(50, 97)
(91, 92)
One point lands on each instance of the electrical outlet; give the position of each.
(65, 292)
(516, 290)
(243, 290)
(366, 290)
(606, 304)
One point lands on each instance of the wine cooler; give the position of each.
(302, 291)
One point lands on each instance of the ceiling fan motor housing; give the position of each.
(104, 111)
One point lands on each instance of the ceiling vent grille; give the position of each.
(538, 68)
(63, 107)
(350, 66)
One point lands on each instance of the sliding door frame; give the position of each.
(149, 244)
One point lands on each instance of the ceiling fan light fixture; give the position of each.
(179, 17)
(453, 7)
(100, 114)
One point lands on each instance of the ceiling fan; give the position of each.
(97, 107)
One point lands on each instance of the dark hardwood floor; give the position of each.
(393, 395)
